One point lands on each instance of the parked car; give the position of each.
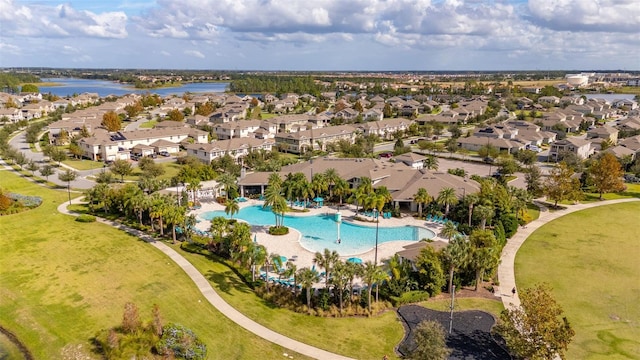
(488, 160)
(386, 155)
(164, 153)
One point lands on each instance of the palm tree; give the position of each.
(447, 197)
(306, 190)
(189, 223)
(352, 270)
(319, 183)
(159, 206)
(342, 189)
(455, 254)
(369, 276)
(332, 177)
(484, 212)
(259, 260)
(326, 260)
(340, 280)
(422, 197)
(519, 199)
(219, 226)
(174, 216)
(430, 162)
(292, 271)
(231, 208)
(449, 230)
(227, 182)
(380, 277)
(308, 277)
(68, 176)
(193, 186)
(276, 201)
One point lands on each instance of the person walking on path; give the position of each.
(513, 291)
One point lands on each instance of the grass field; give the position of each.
(83, 164)
(358, 337)
(148, 125)
(590, 258)
(62, 281)
(493, 307)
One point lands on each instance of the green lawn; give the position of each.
(171, 169)
(591, 260)
(493, 307)
(62, 281)
(358, 337)
(148, 124)
(83, 164)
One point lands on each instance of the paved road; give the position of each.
(19, 142)
(506, 269)
(210, 294)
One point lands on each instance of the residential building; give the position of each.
(580, 147)
(385, 128)
(314, 139)
(236, 147)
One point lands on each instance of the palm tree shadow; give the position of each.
(226, 281)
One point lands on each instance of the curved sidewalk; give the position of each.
(210, 294)
(506, 268)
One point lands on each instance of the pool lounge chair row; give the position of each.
(385, 215)
(440, 219)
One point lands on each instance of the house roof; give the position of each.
(412, 251)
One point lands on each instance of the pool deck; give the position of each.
(289, 245)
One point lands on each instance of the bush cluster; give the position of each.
(84, 218)
(278, 230)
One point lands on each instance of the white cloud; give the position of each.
(195, 53)
(587, 15)
(59, 21)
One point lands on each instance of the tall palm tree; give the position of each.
(447, 197)
(308, 277)
(219, 226)
(369, 276)
(455, 255)
(342, 189)
(291, 271)
(332, 177)
(231, 207)
(306, 190)
(484, 212)
(159, 207)
(422, 197)
(340, 280)
(193, 186)
(319, 183)
(276, 201)
(326, 260)
(189, 223)
(174, 216)
(259, 260)
(352, 270)
(380, 277)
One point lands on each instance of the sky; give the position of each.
(322, 35)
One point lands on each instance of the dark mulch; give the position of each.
(470, 338)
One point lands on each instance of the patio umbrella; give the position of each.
(355, 260)
(255, 238)
(318, 199)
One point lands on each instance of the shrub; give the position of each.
(409, 297)
(278, 230)
(510, 225)
(84, 218)
(181, 342)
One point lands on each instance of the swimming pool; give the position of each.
(321, 231)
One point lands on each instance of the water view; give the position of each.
(70, 86)
(321, 231)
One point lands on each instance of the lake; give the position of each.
(70, 86)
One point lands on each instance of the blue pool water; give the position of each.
(321, 231)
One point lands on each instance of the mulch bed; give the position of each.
(470, 338)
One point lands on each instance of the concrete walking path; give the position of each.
(210, 294)
(506, 268)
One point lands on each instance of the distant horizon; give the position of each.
(41, 68)
(322, 35)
